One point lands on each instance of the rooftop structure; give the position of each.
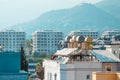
(72, 62)
(79, 60)
(115, 49)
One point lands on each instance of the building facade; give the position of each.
(115, 49)
(78, 61)
(110, 33)
(10, 67)
(11, 40)
(85, 33)
(71, 64)
(46, 41)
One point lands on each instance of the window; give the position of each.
(88, 77)
(119, 56)
(55, 76)
(108, 67)
(50, 76)
(47, 76)
(114, 52)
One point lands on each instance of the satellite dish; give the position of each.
(88, 39)
(80, 39)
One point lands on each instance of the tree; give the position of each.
(24, 63)
(39, 71)
(43, 55)
(40, 54)
(29, 46)
(36, 54)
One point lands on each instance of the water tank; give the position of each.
(90, 46)
(74, 38)
(67, 39)
(71, 40)
(80, 39)
(88, 39)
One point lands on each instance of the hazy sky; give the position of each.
(19, 11)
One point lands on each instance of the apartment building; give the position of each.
(11, 40)
(46, 41)
(110, 33)
(85, 33)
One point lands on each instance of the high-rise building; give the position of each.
(11, 40)
(85, 33)
(110, 33)
(46, 41)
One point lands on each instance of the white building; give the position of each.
(78, 61)
(46, 40)
(74, 64)
(110, 33)
(11, 40)
(85, 33)
(115, 49)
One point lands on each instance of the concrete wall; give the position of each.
(114, 66)
(114, 49)
(9, 62)
(105, 76)
(118, 76)
(67, 72)
(79, 70)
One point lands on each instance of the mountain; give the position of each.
(110, 6)
(81, 17)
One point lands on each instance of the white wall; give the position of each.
(51, 67)
(79, 70)
(74, 71)
(115, 49)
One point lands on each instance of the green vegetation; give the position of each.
(40, 71)
(24, 63)
(29, 46)
(35, 60)
(38, 57)
(41, 55)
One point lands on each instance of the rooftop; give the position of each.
(68, 54)
(104, 56)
